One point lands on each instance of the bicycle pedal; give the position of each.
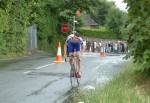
(77, 75)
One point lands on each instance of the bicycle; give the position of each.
(74, 79)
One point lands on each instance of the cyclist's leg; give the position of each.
(77, 47)
(71, 58)
(78, 60)
(72, 49)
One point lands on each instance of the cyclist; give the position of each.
(74, 46)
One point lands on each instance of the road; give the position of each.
(43, 81)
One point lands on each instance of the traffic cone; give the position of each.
(59, 56)
(102, 52)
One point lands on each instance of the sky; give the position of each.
(120, 4)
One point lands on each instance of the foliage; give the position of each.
(115, 20)
(14, 28)
(58, 12)
(105, 13)
(70, 8)
(100, 10)
(139, 31)
(17, 15)
(46, 25)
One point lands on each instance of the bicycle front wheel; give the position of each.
(73, 80)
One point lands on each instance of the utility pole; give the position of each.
(74, 24)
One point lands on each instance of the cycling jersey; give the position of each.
(73, 43)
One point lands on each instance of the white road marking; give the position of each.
(39, 68)
(97, 67)
(43, 66)
(89, 87)
(27, 72)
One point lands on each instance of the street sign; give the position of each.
(64, 28)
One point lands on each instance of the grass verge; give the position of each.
(2, 65)
(130, 86)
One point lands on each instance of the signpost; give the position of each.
(74, 20)
(64, 28)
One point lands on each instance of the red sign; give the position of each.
(64, 28)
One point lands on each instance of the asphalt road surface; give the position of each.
(42, 81)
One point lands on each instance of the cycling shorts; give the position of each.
(73, 46)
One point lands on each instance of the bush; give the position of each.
(139, 32)
(98, 33)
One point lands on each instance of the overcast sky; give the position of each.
(120, 4)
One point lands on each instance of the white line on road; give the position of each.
(43, 66)
(27, 72)
(97, 67)
(38, 68)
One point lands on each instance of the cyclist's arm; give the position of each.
(81, 43)
(82, 48)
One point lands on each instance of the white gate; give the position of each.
(32, 38)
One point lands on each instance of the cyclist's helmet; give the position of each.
(77, 34)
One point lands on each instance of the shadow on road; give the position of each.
(73, 94)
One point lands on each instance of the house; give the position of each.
(88, 21)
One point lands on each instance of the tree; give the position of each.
(115, 20)
(99, 11)
(139, 31)
(17, 15)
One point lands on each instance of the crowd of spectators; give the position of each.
(105, 46)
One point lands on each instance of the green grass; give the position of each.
(11, 55)
(131, 86)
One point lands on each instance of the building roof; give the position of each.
(88, 21)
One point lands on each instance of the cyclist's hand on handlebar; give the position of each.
(65, 56)
(65, 59)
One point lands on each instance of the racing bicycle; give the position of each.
(74, 79)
